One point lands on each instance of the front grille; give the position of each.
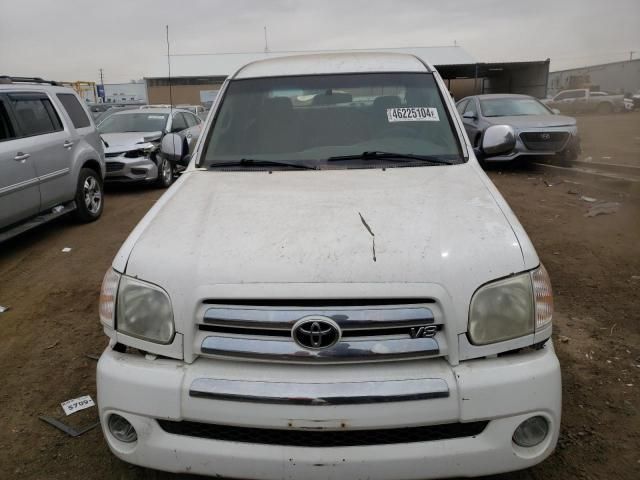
(330, 438)
(113, 154)
(365, 330)
(544, 141)
(114, 166)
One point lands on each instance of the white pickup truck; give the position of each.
(352, 297)
(583, 100)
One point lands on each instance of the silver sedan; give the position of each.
(539, 130)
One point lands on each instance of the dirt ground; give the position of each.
(594, 263)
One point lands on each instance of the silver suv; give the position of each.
(51, 156)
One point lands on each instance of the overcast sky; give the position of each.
(72, 40)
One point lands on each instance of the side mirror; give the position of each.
(498, 140)
(469, 115)
(556, 111)
(171, 147)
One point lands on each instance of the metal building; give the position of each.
(615, 77)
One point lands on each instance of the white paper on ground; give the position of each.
(76, 404)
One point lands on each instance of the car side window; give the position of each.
(191, 120)
(179, 123)
(471, 107)
(35, 114)
(77, 114)
(6, 129)
(461, 106)
(562, 96)
(579, 94)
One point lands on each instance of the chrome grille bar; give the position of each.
(338, 393)
(345, 350)
(349, 318)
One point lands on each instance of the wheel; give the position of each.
(89, 196)
(165, 174)
(605, 107)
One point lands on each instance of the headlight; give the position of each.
(108, 292)
(144, 311)
(511, 308)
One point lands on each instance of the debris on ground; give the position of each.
(76, 404)
(93, 356)
(588, 199)
(563, 339)
(3, 309)
(66, 250)
(55, 344)
(572, 191)
(69, 430)
(633, 277)
(604, 208)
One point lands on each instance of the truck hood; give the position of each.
(533, 121)
(439, 225)
(125, 141)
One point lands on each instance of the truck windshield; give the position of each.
(312, 119)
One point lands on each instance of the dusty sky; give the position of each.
(72, 40)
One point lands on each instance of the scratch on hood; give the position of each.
(373, 235)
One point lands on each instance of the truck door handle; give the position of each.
(21, 157)
(67, 144)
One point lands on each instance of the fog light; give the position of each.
(531, 432)
(121, 429)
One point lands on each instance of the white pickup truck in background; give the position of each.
(583, 100)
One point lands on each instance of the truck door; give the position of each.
(19, 190)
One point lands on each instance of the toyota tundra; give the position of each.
(352, 297)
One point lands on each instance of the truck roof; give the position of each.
(331, 63)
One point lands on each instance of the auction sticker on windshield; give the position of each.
(412, 114)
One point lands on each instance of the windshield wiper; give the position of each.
(390, 156)
(261, 163)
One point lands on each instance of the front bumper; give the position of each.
(503, 391)
(123, 169)
(522, 151)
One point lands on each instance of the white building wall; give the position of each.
(125, 92)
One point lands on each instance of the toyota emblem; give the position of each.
(316, 332)
(545, 136)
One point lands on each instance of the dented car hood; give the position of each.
(126, 141)
(439, 225)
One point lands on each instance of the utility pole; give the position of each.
(169, 67)
(101, 92)
(266, 45)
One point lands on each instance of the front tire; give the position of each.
(165, 174)
(89, 196)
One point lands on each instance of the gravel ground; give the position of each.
(594, 263)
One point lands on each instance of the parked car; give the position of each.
(198, 110)
(133, 137)
(582, 100)
(51, 156)
(635, 100)
(100, 117)
(98, 108)
(351, 296)
(537, 129)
